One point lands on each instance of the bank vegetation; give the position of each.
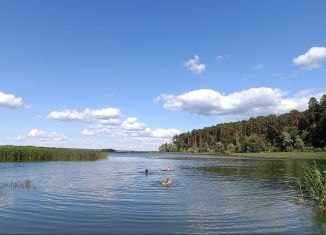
(33, 154)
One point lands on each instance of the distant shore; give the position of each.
(292, 155)
(38, 154)
(297, 155)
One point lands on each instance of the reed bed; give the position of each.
(35, 154)
(314, 184)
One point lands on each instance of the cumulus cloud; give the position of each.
(88, 132)
(67, 115)
(106, 113)
(43, 135)
(242, 104)
(132, 124)
(165, 133)
(132, 127)
(36, 133)
(159, 133)
(107, 122)
(95, 129)
(10, 101)
(194, 65)
(85, 116)
(311, 59)
(111, 121)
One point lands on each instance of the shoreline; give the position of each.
(47, 154)
(264, 155)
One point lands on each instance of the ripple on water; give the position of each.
(115, 196)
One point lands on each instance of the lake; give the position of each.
(210, 195)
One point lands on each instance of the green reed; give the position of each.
(34, 154)
(314, 184)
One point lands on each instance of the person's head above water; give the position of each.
(146, 171)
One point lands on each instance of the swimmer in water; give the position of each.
(167, 182)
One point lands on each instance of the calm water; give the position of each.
(210, 195)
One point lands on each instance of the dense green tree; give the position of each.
(219, 147)
(298, 143)
(230, 149)
(287, 132)
(255, 143)
(322, 123)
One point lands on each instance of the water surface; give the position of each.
(210, 195)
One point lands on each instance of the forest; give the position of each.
(293, 131)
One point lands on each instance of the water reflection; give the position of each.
(255, 169)
(6, 202)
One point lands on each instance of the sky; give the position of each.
(130, 75)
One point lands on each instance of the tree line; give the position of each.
(293, 131)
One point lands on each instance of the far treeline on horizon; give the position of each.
(294, 131)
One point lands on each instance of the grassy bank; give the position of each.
(190, 153)
(34, 154)
(301, 155)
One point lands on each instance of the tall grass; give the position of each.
(314, 184)
(33, 154)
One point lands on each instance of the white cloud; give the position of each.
(259, 67)
(88, 132)
(162, 133)
(85, 116)
(43, 136)
(106, 125)
(132, 128)
(311, 59)
(36, 133)
(132, 124)
(111, 121)
(155, 133)
(10, 101)
(106, 113)
(100, 129)
(67, 115)
(242, 104)
(194, 65)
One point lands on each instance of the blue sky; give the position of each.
(131, 74)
